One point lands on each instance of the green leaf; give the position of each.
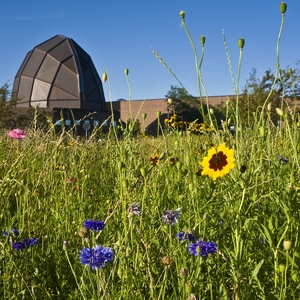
(257, 268)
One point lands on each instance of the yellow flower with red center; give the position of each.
(218, 162)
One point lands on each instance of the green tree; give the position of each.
(281, 93)
(184, 105)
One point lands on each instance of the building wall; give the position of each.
(151, 107)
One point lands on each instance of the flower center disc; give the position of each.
(218, 161)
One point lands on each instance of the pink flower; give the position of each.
(17, 134)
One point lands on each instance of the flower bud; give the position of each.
(170, 101)
(211, 111)
(84, 233)
(182, 14)
(290, 71)
(241, 43)
(283, 7)
(287, 244)
(143, 172)
(281, 268)
(144, 116)
(65, 245)
(126, 71)
(202, 40)
(262, 131)
(104, 77)
(183, 272)
(269, 107)
(125, 183)
(191, 187)
(189, 287)
(158, 114)
(279, 111)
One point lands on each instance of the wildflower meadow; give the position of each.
(194, 212)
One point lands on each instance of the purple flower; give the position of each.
(185, 236)
(18, 245)
(12, 232)
(94, 225)
(96, 257)
(30, 242)
(17, 134)
(171, 216)
(202, 248)
(135, 209)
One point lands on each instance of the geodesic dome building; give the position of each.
(59, 74)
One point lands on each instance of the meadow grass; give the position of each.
(147, 190)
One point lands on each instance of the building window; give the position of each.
(96, 123)
(77, 122)
(105, 123)
(57, 123)
(67, 122)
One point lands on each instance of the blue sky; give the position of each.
(120, 34)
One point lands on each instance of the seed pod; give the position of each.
(104, 77)
(170, 101)
(279, 111)
(269, 107)
(287, 244)
(283, 7)
(202, 40)
(211, 111)
(144, 116)
(126, 71)
(182, 14)
(241, 43)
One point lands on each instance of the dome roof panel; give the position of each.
(61, 51)
(59, 94)
(70, 63)
(51, 43)
(48, 69)
(34, 63)
(67, 80)
(40, 90)
(25, 88)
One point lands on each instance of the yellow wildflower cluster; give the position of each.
(196, 128)
(172, 122)
(154, 159)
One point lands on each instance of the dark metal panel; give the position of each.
(51, 43)
(67, 80)
(15, 88)
(34, 63)
(61, 51)
(68, 103)
(58, 94)
(70, 63)
(40, 90)
(25, 88)
(48, 69)
(24, 63)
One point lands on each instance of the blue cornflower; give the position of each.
(185, 236)
(171, 216)
(96, 257)
(18, 245)
(30, 242)
(12, 232)
(94, 225)
(202, 248)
